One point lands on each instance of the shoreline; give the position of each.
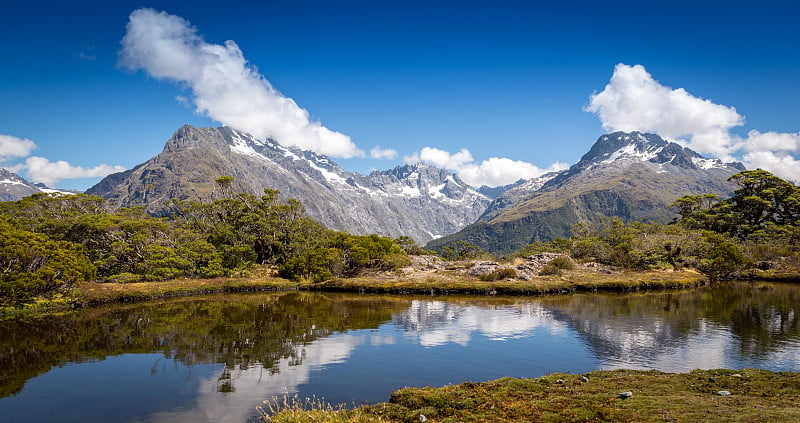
(94, 294)
(718, 395)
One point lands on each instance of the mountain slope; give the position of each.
(633, 176)
(13, 187)
(419, 201)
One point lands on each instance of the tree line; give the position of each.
(49, 243)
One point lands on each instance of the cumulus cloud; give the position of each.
(382, 153)
(492, 172)
(11, 147)
(497, 171)
(40, 169)
(224, 85)
(634, 101)
(772, 151)
(771, 141)
(441, 158)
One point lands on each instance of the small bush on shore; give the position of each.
(499, 274)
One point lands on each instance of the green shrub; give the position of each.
(31, 265)
(562, 262)
(549, 269)
(394, 261)
(722, 258)
(499, 274)
(125, 278)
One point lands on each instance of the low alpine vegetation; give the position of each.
(50, 243)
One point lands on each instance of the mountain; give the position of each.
(633, 176)
(419, 201)
(13, 187)
(494, 192)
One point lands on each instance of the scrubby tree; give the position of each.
(461, 250)
(762, 200)
(31, 264)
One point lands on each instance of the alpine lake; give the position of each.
(218, 358)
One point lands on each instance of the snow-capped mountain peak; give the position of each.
(419, 201)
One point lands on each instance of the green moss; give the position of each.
(756, 396)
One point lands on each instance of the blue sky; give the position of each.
(493, 90)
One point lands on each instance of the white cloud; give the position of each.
(382, 153)
(772, 151)
(498, 171)
(40, 169)
(494, 171)
(779, 163)
(634, 101)
(224, 85)
(771, 141)
(442, 158)
(11, 147)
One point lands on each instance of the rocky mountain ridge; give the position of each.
(13, 187)
(419, 201)
(634, 176)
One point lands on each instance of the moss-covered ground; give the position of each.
(750, 395)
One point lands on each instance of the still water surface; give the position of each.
(217, 358)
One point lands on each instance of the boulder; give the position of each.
(483, 268)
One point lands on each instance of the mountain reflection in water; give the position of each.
(217, 358)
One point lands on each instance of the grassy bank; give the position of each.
(754, 395)
(772, 275)
(439, 283)
(93, 293)
(90, 294)
(580, 280)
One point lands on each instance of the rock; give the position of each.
(724, 393)
(525, 272)
(624, 395)
(766, 265)
(422, 418)
(427, 262)
(535, 262)
(483, 268)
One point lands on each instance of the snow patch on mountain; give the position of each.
(11, 182)
(707, 164)
(241, 146)
(329, 176)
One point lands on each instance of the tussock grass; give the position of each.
(569, 281)
(293, 409)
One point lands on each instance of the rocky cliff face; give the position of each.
(419, 201)
(628, 175)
